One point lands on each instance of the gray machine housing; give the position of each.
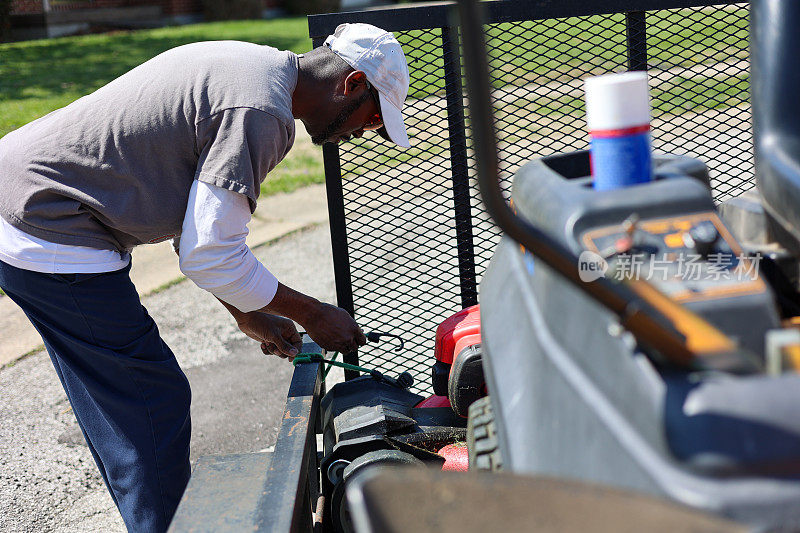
(573, 395)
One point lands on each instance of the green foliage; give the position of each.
(37, 77)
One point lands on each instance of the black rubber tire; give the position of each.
(466, 383)
(340, 514)
(381, 457)
(484, 453)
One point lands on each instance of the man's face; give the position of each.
(359, 111)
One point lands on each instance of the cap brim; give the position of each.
(393, 124)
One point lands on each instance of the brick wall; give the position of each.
(182, 7)
(21, 7)
(170, 7)
(72, 5)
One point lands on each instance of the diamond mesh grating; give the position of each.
(399, 205)
(699, 62)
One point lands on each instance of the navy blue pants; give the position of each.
(127, 391)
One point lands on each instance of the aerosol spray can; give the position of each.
(618, 115)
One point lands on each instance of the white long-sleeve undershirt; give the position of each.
(27, 252)
(213, 250)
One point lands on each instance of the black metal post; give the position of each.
(338, 225)
(458, 163)
(341, 255)
(336, 219)
(636, 33)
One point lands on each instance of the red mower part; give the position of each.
(434, 401)
(466, 322)
(456, 457)
(465, 342)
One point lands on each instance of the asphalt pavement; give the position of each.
(48, 480)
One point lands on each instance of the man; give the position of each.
(175, 148)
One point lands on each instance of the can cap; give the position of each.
(616, 101)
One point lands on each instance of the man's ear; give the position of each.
(353, 81)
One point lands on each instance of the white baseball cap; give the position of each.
(377, 54)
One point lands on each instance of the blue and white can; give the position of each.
(618, 116)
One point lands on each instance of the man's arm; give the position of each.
(215, 256)
(329, 326)
(277, 335)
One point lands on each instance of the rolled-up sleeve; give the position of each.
(213, 249)
(237, 147)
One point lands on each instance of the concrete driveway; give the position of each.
(48, 480)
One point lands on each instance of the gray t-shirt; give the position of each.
(113, 169)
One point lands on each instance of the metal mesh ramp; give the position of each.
(411, 238)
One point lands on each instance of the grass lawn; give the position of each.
(37, 77)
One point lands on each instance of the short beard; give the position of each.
(340, 119)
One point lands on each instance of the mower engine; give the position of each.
(457, 374)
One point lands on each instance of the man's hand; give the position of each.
(331, 327)
(334, 329)
(277, 335)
